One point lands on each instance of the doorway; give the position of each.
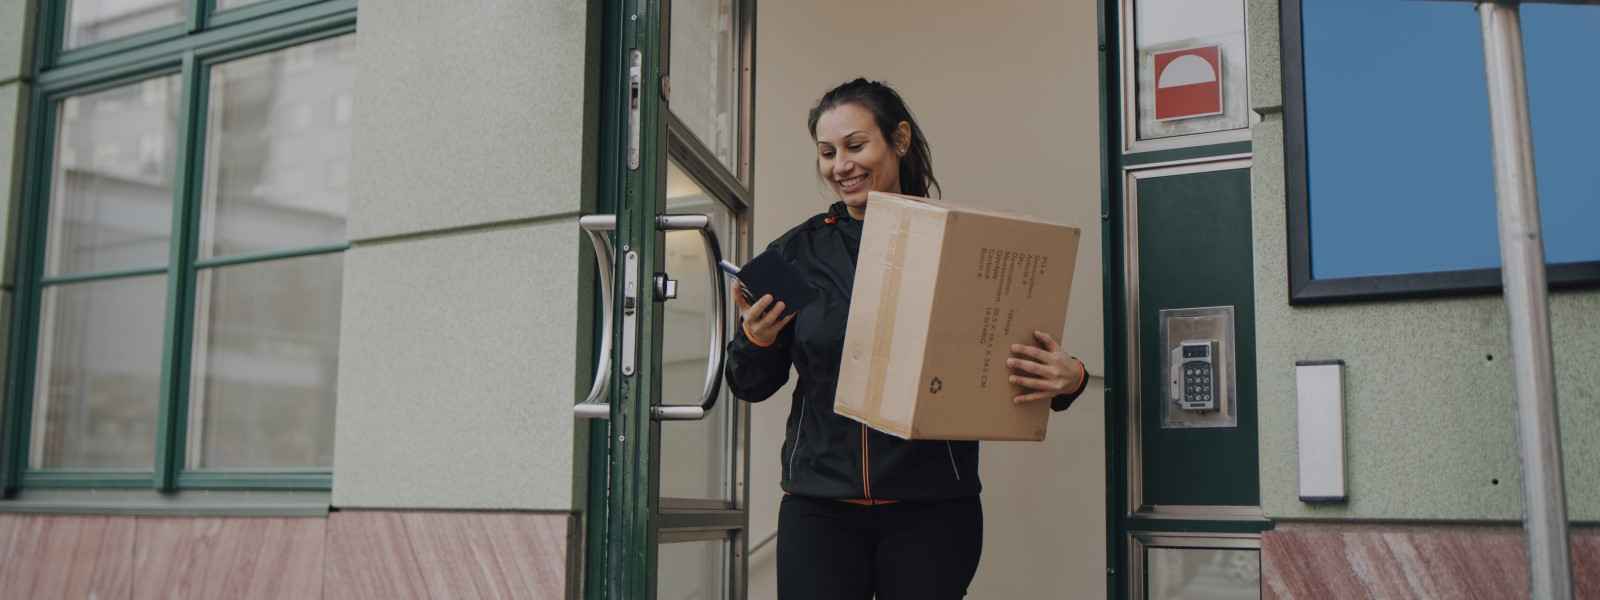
(1034, 107)
(1008, 94)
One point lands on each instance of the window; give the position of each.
(176, 322)
(1185, 81)
(1390, 166)
(93, 21)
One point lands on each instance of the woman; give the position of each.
(905, 523)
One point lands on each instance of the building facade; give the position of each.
(299, 298)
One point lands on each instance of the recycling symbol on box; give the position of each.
(936, 385)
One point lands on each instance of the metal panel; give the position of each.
(1180, 451)
(1319, 412)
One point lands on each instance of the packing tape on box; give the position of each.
(888, 300)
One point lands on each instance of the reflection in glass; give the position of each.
(227, 4)
(92, 21)
(98, 374)
(692, 570)
(694, 455)
(705, 82)
(112, 183)
(266, 362)
(1203, 574)
(278, 150)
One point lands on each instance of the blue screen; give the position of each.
(1400, 169)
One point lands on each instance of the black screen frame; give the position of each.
(1305, 289)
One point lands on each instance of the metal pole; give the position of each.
(1523, 274)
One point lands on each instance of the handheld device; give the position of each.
(769, 273)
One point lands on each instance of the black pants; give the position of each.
(832, 550)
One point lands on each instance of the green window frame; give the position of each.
(187, 49)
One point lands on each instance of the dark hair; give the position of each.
(888, 110)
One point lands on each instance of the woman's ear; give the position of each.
(902, 138)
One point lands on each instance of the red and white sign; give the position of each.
(1188, 83)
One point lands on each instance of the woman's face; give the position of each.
(853, 157)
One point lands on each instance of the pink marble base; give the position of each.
(350, 555)
(1316, 561)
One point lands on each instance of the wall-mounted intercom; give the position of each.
(1197, 359)
(1193, 375)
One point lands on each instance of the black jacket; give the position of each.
(822, 451)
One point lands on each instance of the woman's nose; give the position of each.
(842, 167)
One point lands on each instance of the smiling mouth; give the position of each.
(853, 184)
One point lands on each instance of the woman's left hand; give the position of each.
(1044, 369)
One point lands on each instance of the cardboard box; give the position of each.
(941, 293)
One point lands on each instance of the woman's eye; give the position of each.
(828, 154)
(854, 148)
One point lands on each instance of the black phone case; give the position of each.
(768, 273)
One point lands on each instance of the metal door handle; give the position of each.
(719, 324)
(595, 406)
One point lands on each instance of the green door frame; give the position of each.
(1120, 574)
(635, 162)
(627, 518)
(612, 126)
(1111, 260)
(1112, 296)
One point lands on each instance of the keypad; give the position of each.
(1197, 383)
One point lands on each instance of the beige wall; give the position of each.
(1008, 94)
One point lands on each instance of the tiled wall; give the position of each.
(347, 555)
(1306, 561)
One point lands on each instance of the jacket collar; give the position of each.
(839, 212)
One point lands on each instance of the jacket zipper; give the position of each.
(953, 467)
(799, 428)
(866, 465)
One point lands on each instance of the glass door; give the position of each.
(668, 508)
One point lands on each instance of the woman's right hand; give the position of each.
(763, 321)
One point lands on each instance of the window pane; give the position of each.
(227, 4)
(1560, 43)
(112, 186)
(98, 375)
(1180, 573)
(278, 150)
(1399, 157)
(266, 363)
(692, 570)
(92, 21)
(705, 85)
(695, 458)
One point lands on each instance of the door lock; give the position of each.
(666, 288)
(630, 311)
